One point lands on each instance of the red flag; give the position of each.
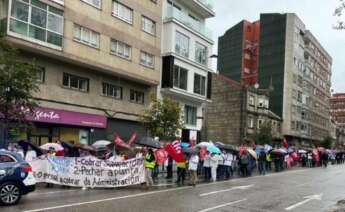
(176, 156)
(285, 143)
(177, 146)
(132, 139)
(161, 156)
(119, 142)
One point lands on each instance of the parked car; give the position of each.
(16, 178)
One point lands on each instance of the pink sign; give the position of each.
(56, 116)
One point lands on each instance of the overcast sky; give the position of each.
(316, 14)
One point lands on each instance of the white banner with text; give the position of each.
(89, 171)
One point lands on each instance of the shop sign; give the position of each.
(88, 172)
(57, 116)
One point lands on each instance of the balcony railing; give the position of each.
(188, 21)
(207, 3)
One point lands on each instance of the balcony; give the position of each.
(189, 22)
(207, 3)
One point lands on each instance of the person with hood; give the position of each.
(214, 165)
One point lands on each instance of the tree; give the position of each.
(18, 82)
(327, 142)
(338, 12)
(264, 134)
(162, 118)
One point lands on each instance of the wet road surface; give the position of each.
(304, 190)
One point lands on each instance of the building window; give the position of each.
(251, 100)
(180, 77)
(112, 90)
(250, 122)
(122, 12)
(95, 3)
(173, 4)
(200, 53)
(137, 97)
(261, 103)
(199, 84)
(75, 82)
(121, 49)
(40, 75)
(38, 21)
(182, 45)
(86, 36)
(259, 123)
(147, 59)
(147, 25)
(190, 113)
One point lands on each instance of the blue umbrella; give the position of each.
(213, 149)
(184, 145)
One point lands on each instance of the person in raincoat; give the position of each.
(214, 165)
(193, 167)
(150, 163)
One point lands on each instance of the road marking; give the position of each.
(223, 205)
(53, 192)
(226, 190)
(307, 199)
(153, 192)
(164, 184)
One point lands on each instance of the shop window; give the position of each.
(75, 82)
(148, 25)
(86, 36)
(180, 77)
(190, 114)
(137, 96)
(37, 21)
(121, 49)
(199, 84)
(112, 90)
(122, 12)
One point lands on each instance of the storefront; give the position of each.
(50, 125)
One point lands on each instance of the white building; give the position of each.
(186, 50)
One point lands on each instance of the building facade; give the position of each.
(237, 112)
(297, 66)
(99, 61)
(186, 50)
(238, 52)
(337, 102)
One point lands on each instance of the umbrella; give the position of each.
(290, 150)
(26, 144)
(57, 147)
(213, 149)
(259, 149)
(301, 151)
(279, 151)
(184, 145)
(321, 149)
(149, 142)
(252, 153)
(191, 150)
(101, 143)
(204, 144)
(267, 148)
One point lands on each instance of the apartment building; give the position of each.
(99, 61)
(337, 102)
(238, 52)
(299, 69)
(186, 50)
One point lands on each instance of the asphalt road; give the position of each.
(305, 190)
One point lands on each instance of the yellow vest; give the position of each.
(149, 165)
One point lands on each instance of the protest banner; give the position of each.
(89, 171)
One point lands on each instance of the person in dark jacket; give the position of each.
(262, 163)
